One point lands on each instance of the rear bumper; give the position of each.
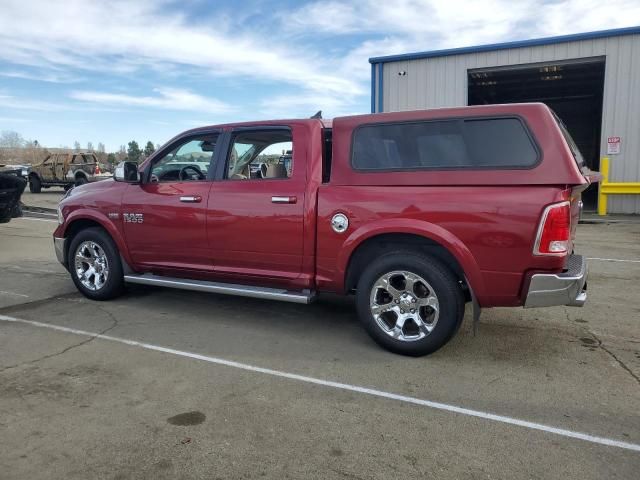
(567, 288)
(59, 246)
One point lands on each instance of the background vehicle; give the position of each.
(65, 170)
(11, 187)
(19, 170)
(416, 213)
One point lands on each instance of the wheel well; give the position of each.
(77, 226)
(80, 174)
(373, 247)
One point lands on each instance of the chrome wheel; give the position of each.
(404, 306)
(91, 265)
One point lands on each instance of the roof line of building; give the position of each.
(503, 46)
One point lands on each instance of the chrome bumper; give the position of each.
(567, 288)
(59, 246)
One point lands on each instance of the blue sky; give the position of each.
(113, 71)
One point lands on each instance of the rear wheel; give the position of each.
(409, 303)
(81, 180)
(35, 185)
(94, 264)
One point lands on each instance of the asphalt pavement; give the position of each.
(174, 384)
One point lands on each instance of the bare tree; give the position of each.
(11, 139)
(101, 153)
(122, 153)
(90, 146)
(76, 146)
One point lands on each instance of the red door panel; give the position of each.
(249, 235)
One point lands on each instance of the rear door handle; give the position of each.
(191, 199)
(284, 199)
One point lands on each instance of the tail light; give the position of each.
(97, 170)
(554, 231)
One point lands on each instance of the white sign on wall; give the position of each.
(613, 145)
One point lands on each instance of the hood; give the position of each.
(87, 191)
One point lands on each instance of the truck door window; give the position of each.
(259, 154)
(187, 161)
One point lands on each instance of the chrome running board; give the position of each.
(304, 296)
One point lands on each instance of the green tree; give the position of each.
(149, 149)
(133, 151)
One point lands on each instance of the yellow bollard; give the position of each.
(602, 197)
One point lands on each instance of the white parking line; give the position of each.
(612, 260)
(4, 292)
(342, 386)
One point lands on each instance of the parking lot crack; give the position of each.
(114, 324)
(618, 361)
(599, 344)
(35, 303)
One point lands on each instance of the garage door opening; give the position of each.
(573, 89)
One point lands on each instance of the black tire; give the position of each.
(81, 180)
(114, 283)
(443, 284)
(17, 210)
(35, 185)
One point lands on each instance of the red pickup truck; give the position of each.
(416, 213)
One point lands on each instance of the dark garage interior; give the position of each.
(573, 89)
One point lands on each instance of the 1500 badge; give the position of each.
(133, 217)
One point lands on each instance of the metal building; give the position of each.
(591, 80)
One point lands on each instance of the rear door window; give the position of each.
(501, 143)
(260, 154)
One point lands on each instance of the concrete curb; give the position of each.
(28, 208)
(610, 219)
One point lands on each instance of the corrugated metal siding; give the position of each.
(442, 82)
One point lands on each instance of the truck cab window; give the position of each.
(188, 161)
(260, 155)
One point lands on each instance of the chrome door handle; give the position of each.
(284, 199)
(191, 199)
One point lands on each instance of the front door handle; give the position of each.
(191, 199)
(284, 199)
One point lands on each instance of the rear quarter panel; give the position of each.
(489, 229)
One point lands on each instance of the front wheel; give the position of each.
(94, 264)
(409, 303)
(35, 185)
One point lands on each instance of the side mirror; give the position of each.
(126, 172)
